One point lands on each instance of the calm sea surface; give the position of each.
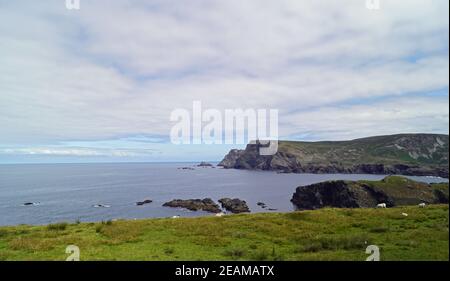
(68, 192)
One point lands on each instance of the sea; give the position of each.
(109, 191)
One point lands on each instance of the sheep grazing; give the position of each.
(404, 214)
(381, 205)
(175, 217)
(422, 205)
(220, 214)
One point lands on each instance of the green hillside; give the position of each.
(405, 154)
(325, 234)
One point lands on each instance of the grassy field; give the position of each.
(326, 234)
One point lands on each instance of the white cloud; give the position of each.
(75, 151)
(118, 68)
(392, 116)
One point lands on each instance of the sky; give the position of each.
(98, 84)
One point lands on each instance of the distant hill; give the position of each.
(404, 154)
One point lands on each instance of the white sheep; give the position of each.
(220, 214)
(175, 217)
(381, 205)
(422, 205)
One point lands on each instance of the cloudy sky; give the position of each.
(99, 83)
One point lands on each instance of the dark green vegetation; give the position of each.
(406, 154)
(325, 234)
(392, 190)
(403, 191)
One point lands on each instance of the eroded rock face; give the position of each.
(392, 190)
(234, 205)
(230, 159)
(404, 154)
(31, 204)
(441, 196)
(327, 194)
(206, 204)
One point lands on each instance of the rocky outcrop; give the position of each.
(234, 205)
(31, 203)
(230, 159)
(147, 201)
(392, 190)
(205, 164)
(338, 194)
(206, 204)
(262, 205)
(186, 168)
(441, 196)
(405, 154)
(101, 206)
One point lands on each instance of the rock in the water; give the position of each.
(101, 206)
(234, 205)
(186, 168)
(262, 205)
(140, 203)
(205, 164)
(206, 204)
(31, 203)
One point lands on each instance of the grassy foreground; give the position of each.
(326, 234)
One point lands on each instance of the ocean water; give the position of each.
(68, 192)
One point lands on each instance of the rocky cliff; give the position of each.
(404, 154)
(392, 190)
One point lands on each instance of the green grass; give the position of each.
(405, 191)
(326, 234)
(57, 226)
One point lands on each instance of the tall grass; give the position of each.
(57, 226)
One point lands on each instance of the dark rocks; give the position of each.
(31, 203)
(325, 194)
(206, 204)
(370, 169)
(147, 201)
(101, 206)
(186, 168)
(205, 164)
(441, 196)
(234, 205)
(392, 190)
(230, 159)
(262, 205)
